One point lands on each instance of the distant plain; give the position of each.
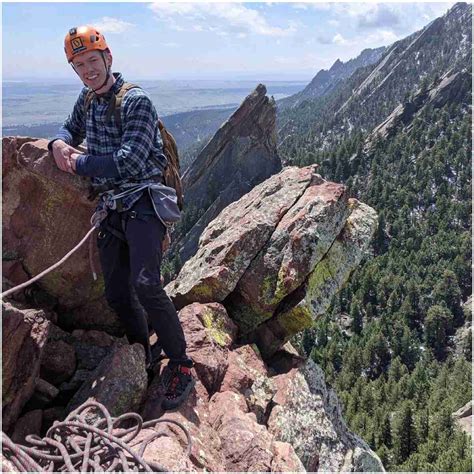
(41, 106)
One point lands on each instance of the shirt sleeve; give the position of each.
(139, 126)
(73, 130)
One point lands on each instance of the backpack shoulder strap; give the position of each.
(115, 103)
(88, 100)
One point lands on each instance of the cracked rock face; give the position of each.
(255, 420)
(276, 257)
(24, 336)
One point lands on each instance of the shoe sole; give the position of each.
(170, 405)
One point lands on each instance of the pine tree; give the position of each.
(404, 434)
(356, 315)
(437, 324)
(447, 291)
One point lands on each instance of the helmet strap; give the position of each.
(107, 68)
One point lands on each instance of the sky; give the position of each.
(272, 41)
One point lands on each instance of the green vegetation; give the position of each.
(395, 370)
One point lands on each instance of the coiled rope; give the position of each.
(96, 219)
(75, 445)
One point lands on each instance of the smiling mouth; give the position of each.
(92, 78)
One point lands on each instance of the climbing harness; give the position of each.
(80, 444)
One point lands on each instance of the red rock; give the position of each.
(194, 415)
(246, 445)
(119, 382)
(29, 423)
(24, 335)
(209, 333)
(45, 214)
(232, 240)
(285, 458)
(300, 240)
(245, 365)
(50, 415)
(58, 363)
(13, 271)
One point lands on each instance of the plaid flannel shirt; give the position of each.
(137, 149)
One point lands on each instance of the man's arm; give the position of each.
(71, 134)
(139, 129)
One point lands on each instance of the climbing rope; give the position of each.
(96, 219)
(76, 444)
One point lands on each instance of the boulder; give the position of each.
(24, 336)
(209, 333)
(232, 240)
(58, 363)
(299, 242)
(313, 297)
(119, 382)
(29, 423)
(45, 214)
(276, 257)
(241, 154)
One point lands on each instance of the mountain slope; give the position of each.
(325, 81)
(398, 135)
(372, 92)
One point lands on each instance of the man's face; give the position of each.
(91, 69)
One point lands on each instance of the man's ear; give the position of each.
(108, 58)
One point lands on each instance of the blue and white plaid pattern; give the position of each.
(137, 151)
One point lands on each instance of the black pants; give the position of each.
(131, 269)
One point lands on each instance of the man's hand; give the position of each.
(63, 156)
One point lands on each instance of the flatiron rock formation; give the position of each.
(241, 155)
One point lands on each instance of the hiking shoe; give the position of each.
(178, 382)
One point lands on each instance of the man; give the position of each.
(119, 157)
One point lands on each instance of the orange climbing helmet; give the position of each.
(82, 39)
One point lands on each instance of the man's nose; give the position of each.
(89, 68)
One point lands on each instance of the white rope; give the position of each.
(96, 219)
(48, 270)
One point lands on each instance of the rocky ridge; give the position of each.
(257, 405)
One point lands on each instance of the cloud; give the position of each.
(382, 38)
(339, 39)
(335, 39)
(404, 17)
(379, 16)
(108, 24)
(219, 17)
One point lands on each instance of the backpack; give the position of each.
(172, 173)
